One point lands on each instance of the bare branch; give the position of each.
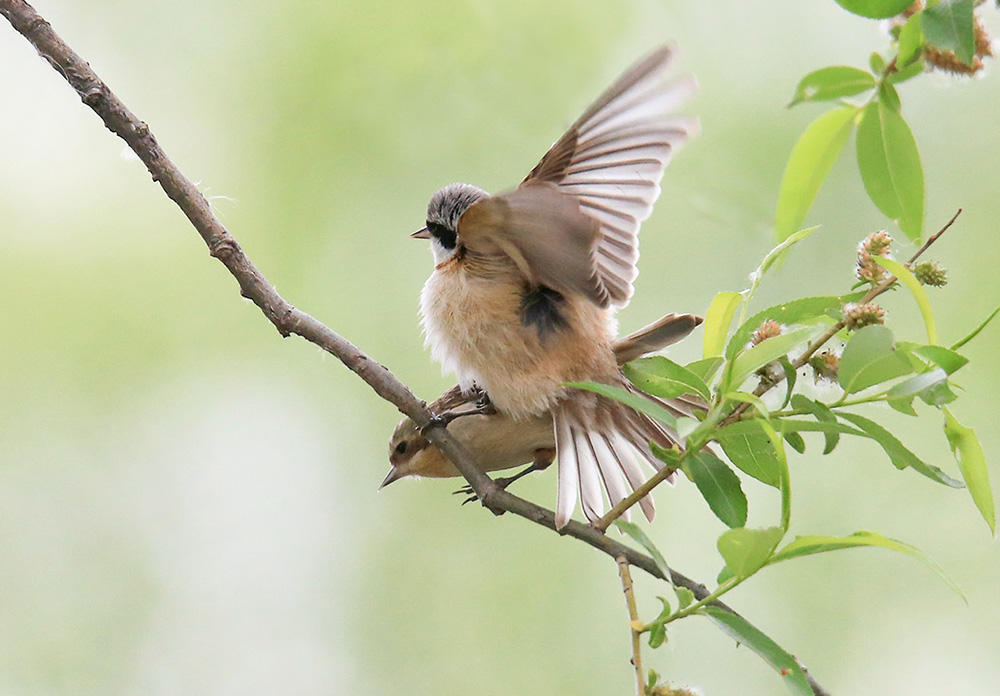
(286, 318)
(634, 624)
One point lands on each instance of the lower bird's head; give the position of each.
(443, 213)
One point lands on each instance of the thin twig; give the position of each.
(659, 477)
(286, 318)
(818, 343)
(635, 625)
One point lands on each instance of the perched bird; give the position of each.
(497, 441)
(525, 282)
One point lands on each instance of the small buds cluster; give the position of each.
(929, 273)
(768, 328)
(875, 244)
(825, 365)
(857, 316)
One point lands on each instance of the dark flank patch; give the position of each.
(541, 308)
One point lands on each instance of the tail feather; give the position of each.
(600, 443)
(589, 470)
(612, 471)
(569, 478)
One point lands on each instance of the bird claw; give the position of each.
(482, 407)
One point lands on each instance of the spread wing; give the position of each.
(611, 162)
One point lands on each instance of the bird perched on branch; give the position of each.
(525, 282)
(497, 441)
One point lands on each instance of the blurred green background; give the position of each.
(188, 503)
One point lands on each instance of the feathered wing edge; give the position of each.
(599, 444)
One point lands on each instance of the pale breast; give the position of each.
(474, 328)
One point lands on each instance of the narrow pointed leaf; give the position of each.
(911, 40)
(763, 353)
(635, 531)
(972, 462)
(808, 545)
(720, 487)
(899, 455)
(822, 414)
(890, 167)
(875, 9)
(831, 83)
(800, 311)
(664, 378)
(811, 160)
(975, 332)
(717, 320)
(906, 277)
(744, 633)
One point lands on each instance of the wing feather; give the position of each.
(611, 160)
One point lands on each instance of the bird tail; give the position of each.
(600, 443)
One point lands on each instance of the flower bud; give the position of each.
(929, 273)
(857, 316)
(875, 244)
(768, 328)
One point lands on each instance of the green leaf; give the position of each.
(906, 277)
(809, 164)
(877, 63)
(890, 167)
(803, 310)
(831, 83)
(823, 414)
(720, 487)
(904, 406)
(918, 383)
(975, 332)
(765, 352)
(751, 453)
(791, 376)
(808, 545)
(685, 597)
(945, 358)
(909, 72)
(744, 633)
(747, 550)
(705, 368)
(899, 455)
(949, 25)
(636, 401)
(748, 398)
(869, 359)
(888, 95)
(875, 9)
(911, 41)
(795, 441)
(785, 485)
(635, 531)
(657, 635)
(971, 460)
(664, 378)
(717, 320)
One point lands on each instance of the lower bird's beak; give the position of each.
(422, 233)
(393, 475)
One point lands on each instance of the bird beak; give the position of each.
(393, 475)
(422, 233)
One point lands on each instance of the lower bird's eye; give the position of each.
(401, 447)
